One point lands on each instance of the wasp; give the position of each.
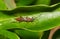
(25, 19)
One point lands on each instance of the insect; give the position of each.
(28, 19)
(20, 19)
(25, 19)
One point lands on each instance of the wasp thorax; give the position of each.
(29, 19)
(25, 19)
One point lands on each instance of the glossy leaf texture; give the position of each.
(45, 17)
(8, 34)
(47, 20)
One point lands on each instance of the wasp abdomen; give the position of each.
(19, 19)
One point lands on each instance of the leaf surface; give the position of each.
(42, 22)
(8, 34)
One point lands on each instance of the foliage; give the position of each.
(46, 14)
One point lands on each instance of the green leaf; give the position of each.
(24, 34)
(3, 37)
(34, 8)
(30, 9)
(57, 7)
(23, 2)
(4, 16)
(47, 20)
(2, 5)
(8, 34)
(46, 2)
(46, 34)
(42, 22)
